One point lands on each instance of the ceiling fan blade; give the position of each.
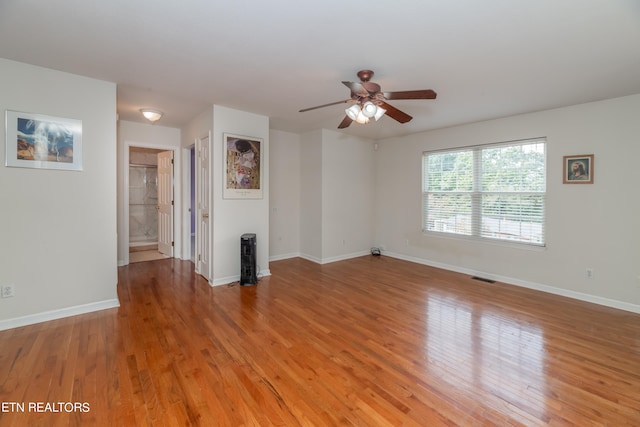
(325, 105)
(411, 94)
(371, 87)
(356, 88)
(396, 114)
(345, 122)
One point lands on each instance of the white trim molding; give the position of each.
(524, 284)
(58, 314)
(333, 259)
(233, 279)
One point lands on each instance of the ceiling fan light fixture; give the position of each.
(151, 115)
(369, 109)
(367, 97)
(353, 111)
(379, 113)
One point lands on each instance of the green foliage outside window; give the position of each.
(493, 191)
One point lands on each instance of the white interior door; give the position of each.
(165, 203)
(203, 224)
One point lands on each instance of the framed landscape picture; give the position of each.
(243, 167)
(578, 169)
(43, 142)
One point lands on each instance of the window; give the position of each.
(492, 191)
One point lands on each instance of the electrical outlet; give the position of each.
(7, 291)
(589, 273)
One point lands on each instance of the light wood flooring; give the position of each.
(145, 253)
(371, 341)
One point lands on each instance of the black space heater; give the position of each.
(248, 267)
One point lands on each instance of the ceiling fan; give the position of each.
(370, 102)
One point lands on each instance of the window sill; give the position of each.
(485, 241)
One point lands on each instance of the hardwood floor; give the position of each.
(372, 341)
(142, 253)
(142, 256)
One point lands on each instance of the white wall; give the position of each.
(595, 226)
(284, 195)
(150, 136)
(199, 127)
(348, 196)
(311, 196)
(58, 227)
(337, 196)
(233, 218)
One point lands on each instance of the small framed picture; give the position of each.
(578, 169)
(43, 142)
(243, 167)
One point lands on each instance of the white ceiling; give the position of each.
(485, 59)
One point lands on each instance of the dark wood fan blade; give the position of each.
(396, 114)
(411, 94)
(345, 122)
(325, 105)
(356, 88)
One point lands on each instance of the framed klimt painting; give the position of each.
(43, 142)
(578, 169)
(243, 157)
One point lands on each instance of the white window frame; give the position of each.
(476, 194)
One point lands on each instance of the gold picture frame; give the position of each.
(578, 169)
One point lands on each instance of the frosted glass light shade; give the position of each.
(151, 115)
(361, 118)
(353, 111)
(369, 109)
(379, 113)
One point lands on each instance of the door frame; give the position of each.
(125, 193)
(187, 172)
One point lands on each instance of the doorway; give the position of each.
(150, 203)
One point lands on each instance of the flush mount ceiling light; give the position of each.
(151, 115)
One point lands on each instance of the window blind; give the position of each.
(494, 191)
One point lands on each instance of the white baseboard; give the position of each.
(58, 314)
(232, 279)
(284, 256)
(522, 283)
(225, 280)
(344, 257)
(311, 258)
(335, 258)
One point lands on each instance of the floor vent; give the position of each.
(482, 279)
